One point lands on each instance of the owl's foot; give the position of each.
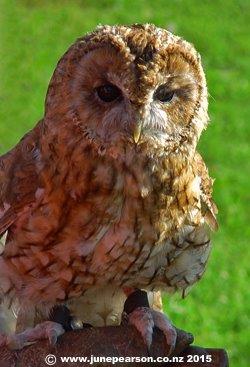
(46, 330)
(144, 319)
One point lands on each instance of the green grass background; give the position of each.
(34, 34)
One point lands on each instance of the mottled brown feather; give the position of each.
(88, 208)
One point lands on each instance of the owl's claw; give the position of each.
(46, 330)
(53, 335)
(145, 319)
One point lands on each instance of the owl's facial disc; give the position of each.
(168, 108)
(163, 95)
(119, 101)
(126, 85)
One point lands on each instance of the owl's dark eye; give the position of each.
(108, 92)
(163, 94)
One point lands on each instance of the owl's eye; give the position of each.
(163, 94)
(108, 92)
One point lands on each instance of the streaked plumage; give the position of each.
(105, 195)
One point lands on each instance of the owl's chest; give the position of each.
(123, 223)
(114, 225)
(128, 201)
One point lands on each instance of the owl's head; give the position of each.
(133, 85)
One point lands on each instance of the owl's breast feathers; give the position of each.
(85, 219)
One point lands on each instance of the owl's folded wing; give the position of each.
(18, 178)
(208, 206)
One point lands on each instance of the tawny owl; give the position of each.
(107, 194)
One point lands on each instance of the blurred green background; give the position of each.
(34, 34)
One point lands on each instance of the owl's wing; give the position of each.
(208, 207)
(18, 178)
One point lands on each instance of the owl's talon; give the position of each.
(145, 319)
(52, 336)
(46, 330)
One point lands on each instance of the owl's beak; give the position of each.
(137, 132)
